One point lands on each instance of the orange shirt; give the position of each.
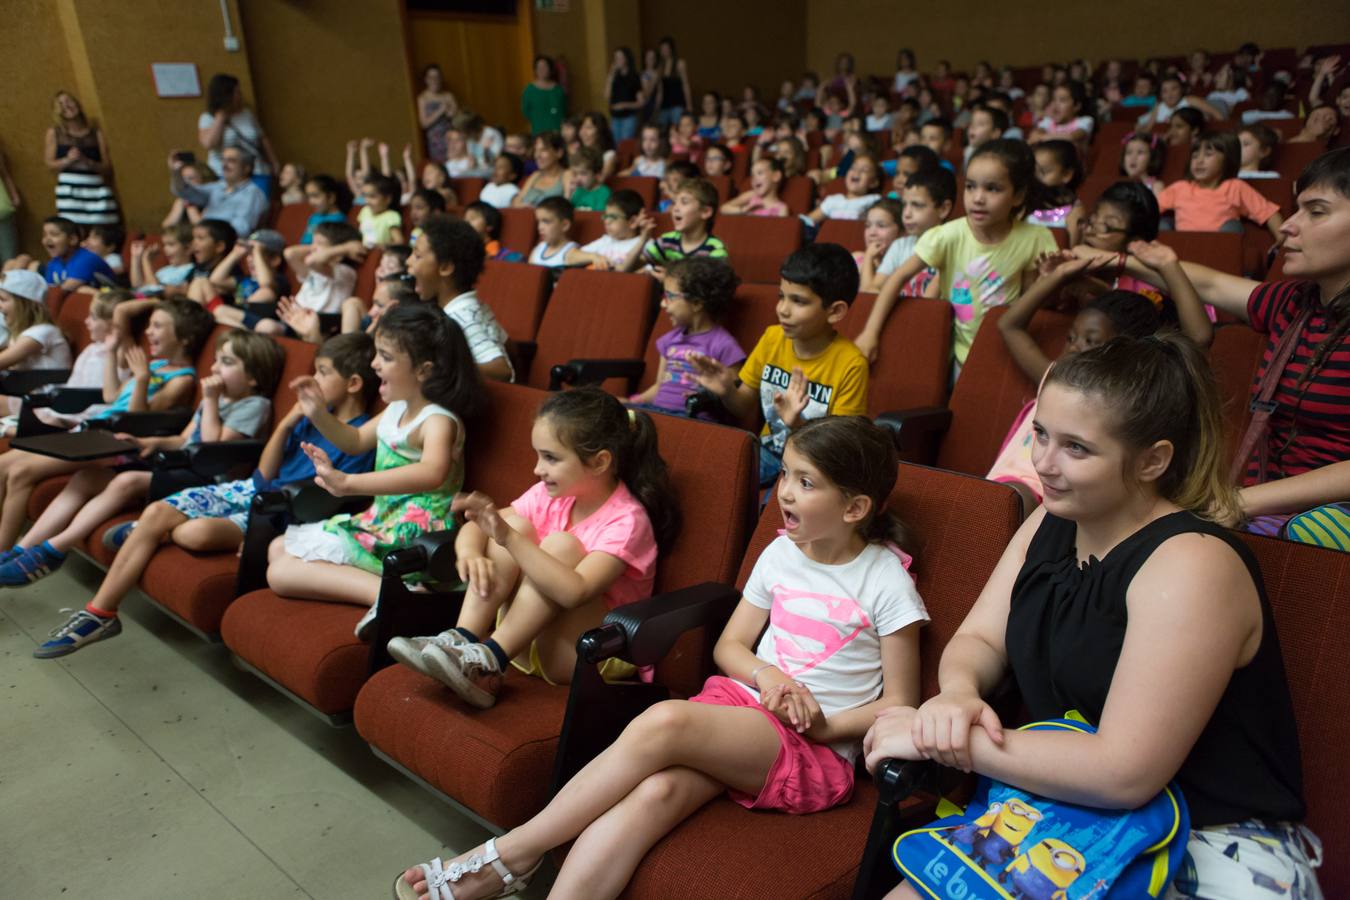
(1206, 209)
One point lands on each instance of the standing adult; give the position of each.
(544, 102)
(675, 91)
(624, 90)
(436, 107)
(76, 151)
(227, 122)
(10, 201)
(651, 84)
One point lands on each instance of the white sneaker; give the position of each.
(408, 650)
(470, 670)
(365, 629)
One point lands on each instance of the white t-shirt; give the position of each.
(465, 165)
(879, 123)
(325, 293)
(826, 621)
(540, 256)
(54, 352)
(901, 249)
(842, 206)
(1257, 174)
(649, 168)
(485, 335)
(615, 251)
(1055, 129)
(1261, 115)
(499, 195)
(1161, 112)
(241, 131)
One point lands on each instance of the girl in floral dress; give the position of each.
(430, 384)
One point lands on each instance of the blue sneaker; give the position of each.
(31, 565)
(81, 628)
(117, 535)
(7, 555)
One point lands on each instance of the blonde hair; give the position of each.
(1161, 388)
(57, 120)
(26, 314)
(103, 303)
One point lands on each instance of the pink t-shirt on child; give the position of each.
(1206, 209)
(758, 206)
(1014, 460)
(620, 527)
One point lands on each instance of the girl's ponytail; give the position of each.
(588, 420)
(648, 479)
(428, 335)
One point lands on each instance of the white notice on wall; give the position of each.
(176, 79)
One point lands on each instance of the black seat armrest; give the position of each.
(431, 554)
(18, 382)
(63, 398)
(212, 459)
(146, 424)
(305, 501)
(911, 428)
(578, 372)
(643, 632)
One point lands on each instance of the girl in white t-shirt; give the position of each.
(34, 342)
(782, 728)
(862, 187)
(1066, 116)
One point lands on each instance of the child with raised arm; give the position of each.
(379, 219)
(621, 244)
(1099, 319)
(697, 294)
(986, 258)
(582, 541)
(163, 379)
(430, 385)
(862, 188)
(802, 368)
(324, 266)
(927, 197)
(176, 245)
(235, 405)
(780, 728)
(214, 517)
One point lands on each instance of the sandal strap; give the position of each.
(490, 855)
(437, 876)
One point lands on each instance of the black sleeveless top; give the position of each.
(1065, 631)
(88, 144)
(672, 89)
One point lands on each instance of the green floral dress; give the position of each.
(393, 520)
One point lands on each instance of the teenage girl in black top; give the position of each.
(1121, 599)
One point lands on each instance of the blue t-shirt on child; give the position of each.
(317, 219)
(81, 266)
(296, 466)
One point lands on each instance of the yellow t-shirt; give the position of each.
(375, 228)
(837, 381)
(975, 276)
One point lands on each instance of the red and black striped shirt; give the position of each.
(1310, 428)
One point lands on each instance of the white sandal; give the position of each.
(440, 878)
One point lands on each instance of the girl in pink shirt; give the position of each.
(582, 541)
(824, 639)
(1213, 196)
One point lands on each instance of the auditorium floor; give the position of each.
(149, 767)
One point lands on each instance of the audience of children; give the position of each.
(31, 341)
(324, 266)
(927, 199)
(693, 213)
(652, 154)
(379, 219)
(1258, 146)
(329, 200)
(862, 188)
(586, 190)
(1059, 172)
(762, 199)
(620, 247)
(1212, 197)
(1141, 159)
(486, 219)
(507, 170)
(553, 218)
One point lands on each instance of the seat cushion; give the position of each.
(494, 761)
(796, 857)
(195, 586)
(93, 545)
(43, 494)
(307, 646)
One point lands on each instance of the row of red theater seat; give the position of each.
(498, 763)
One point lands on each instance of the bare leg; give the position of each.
(25, 472)
(66, 507)
(603, 860)
(124, 489)
(126, 569)
(530, 612)
(735, 747)
(478, 613)
(291, 576)
(207, 535)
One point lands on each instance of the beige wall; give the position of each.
(966, 31)
(728, 45)
(328, 71)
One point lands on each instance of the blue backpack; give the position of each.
(1012, 845)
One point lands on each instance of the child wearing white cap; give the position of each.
(31, 340)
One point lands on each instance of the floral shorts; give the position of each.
(1249, 861)
(230, 500)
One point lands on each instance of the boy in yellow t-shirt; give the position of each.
(802, 368)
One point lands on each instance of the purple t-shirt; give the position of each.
(674, 347)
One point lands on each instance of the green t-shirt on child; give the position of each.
(594, 199)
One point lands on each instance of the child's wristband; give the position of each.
(214, 304)
(754, 674)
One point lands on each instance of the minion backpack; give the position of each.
(1012, 845)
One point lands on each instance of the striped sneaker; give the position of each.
(81, 628)
(31, 565)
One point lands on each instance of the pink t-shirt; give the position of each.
(620, 527)
(758, 206)
(1014, 460)
(1206, 209)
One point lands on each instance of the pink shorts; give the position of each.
(806, 777)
